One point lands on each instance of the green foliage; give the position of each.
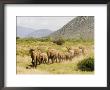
(86, 64)
(79, 40)
(17, 37)
(45, 39)
(59, 41)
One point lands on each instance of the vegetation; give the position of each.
(59, 41)
(86, 64)
(17, 37)
(67, 67)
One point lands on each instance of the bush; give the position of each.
(17, 37)
(59, 41)
(86, 64)
(44, 39)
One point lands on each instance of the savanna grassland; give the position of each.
(23, 58)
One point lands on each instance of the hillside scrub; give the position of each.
(86, 64)
(59, 41)
(17, 37)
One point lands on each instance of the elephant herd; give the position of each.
(53, 55)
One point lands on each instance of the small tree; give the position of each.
(17, 37)
(59, 41)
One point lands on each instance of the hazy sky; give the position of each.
(52, 23)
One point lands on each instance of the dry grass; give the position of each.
(66, 67)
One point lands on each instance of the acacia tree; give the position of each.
(59, 40)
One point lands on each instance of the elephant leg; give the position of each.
(52, 60)
(33, 63)
(36, 63)
(48, 60)
(59, 60)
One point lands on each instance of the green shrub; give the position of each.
(17, 37)
(59, 41)
(86, 64)
(45, 39)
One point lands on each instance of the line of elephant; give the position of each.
(52, 55)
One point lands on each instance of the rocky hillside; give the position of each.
(81, 27)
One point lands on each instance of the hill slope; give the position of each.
(81, 27)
